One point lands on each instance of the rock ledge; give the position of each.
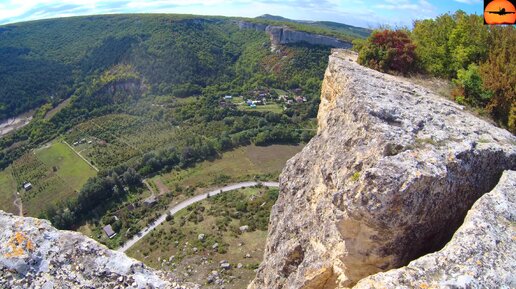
(33, 254)
(389, 177)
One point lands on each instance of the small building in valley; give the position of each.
(27, 186)
(108, 230)
(150, 201)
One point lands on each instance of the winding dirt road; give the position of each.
(18, 203)
(187, 203)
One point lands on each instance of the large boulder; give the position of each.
(481, 254)
(389, 177)
(33, 254)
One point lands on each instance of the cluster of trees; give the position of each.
(253, 212)
(98, 192)
(28, 83)
(478, 58)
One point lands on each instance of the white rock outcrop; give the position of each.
(33, 254)
(280, 35)
(388, 178)
(481, 254)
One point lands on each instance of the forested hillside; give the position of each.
(44, 62)
(47, 60)
(141, 95)
(339, 30)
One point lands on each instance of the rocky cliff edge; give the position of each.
(389, 177)
(481, 254)
(280, 35)
(33, 254)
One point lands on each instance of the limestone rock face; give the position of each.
(33, 254)
(283, 35)
(481, 254)
(388, 178)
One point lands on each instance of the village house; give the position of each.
(27, 186)
(108, 230)
(226, 104)
(150, 201)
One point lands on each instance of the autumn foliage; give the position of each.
(479, 59)
(389, 51)
(499, 75)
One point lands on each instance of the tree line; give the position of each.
(479, 59)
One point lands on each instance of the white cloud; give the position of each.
(355, 12)
(468, 1)
(421, 5)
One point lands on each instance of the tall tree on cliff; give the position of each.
(499, 75)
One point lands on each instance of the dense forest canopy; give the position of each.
(46, 61)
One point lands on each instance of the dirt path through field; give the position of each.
(149, 187)
(163, 189)
(18, 203)
(91, 165)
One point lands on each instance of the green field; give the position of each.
(7, 191)
(55, 173)
(219, 218)
(117, 138)
(271, 106)
(241, 164)
(74, 170)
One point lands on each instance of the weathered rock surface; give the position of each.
(280, 35)
(388, 178)
(481, 254)
(33, 254)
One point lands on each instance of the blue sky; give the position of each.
(356, 12)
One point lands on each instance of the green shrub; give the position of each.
(471, 83)
(389, 50)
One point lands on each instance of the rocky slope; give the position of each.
(480, 254)
(33, 254)
(283, 35)
(388, 178)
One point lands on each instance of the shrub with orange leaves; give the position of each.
(389, 51)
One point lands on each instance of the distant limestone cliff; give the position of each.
(33, 254)
(281, 35)
(396, 177)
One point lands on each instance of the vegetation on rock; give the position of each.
(389, 51)
(458, 47)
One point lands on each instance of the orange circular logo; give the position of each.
(500, 12)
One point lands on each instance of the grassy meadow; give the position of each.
(8, 190)
(241, 164)
(219, 219)
(55, 173)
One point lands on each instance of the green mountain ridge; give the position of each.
(46, 61)
(339, 30)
